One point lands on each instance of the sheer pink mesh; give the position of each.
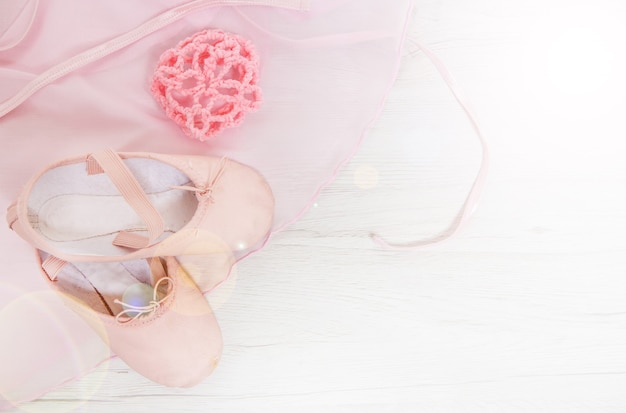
(324, 75)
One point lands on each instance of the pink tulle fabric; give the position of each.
(16, 19)
(208, 82)
(324, 73)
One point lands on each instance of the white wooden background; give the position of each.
(525, 311)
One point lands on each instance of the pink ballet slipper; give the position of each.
(108, 207)
(148, 311)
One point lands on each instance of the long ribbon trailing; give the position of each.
(471, 201)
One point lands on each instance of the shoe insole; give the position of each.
(89, 223)
(82, 214)
(98, 285)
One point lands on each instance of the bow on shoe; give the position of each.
(207, 188)
(124, 316)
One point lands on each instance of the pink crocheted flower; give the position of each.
(208, 82)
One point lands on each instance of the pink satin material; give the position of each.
(324, 73)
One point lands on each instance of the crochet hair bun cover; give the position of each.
(208, 82)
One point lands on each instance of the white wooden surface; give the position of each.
(525, 311)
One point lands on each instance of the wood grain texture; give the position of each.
(525, 311)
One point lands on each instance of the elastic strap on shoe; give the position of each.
(12, 214)
(52, 266)
(157, 269)
(111, 164)
(132, 312)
